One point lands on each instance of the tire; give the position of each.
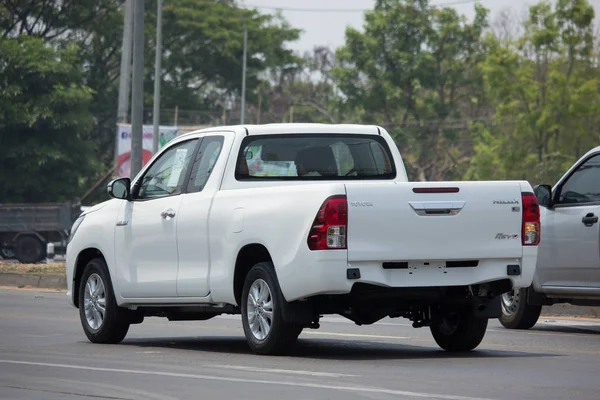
(29, 250)
(278, 336)
(114, 324)
(516, 313)
(459, 332)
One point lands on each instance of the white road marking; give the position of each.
(538, 333)
(281, 371)
(568, 322)
(34, 336)
(317, 333)
(39, 336)
(356, 389)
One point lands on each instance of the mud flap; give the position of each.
(487, 308)
(297, 312)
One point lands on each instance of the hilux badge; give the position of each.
(514, 201)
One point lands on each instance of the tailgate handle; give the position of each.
(437, 208)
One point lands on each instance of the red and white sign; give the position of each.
(166, 133)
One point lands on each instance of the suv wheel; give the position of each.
(103, 321)
(266, 331)
(516, 313)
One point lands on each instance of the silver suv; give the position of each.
(568, 266)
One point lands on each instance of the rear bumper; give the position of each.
(328, 274)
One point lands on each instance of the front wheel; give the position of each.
(516, 313)
(103, 321)
(459, 331)
(262, 317)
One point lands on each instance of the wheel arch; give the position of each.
(297, 312)
(248, 256)
(83, 258)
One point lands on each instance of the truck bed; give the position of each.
(37, 217)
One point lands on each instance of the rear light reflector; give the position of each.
(531, 232)
(328, 231)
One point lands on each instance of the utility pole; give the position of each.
(243, 106)
(125, 75)
(137, 92)
(157, 76)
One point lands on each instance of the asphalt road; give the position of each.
(45, 355)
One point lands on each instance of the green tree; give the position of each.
(202, 64)
(544, 87)
(44, 122)
(299, 92)
(202, 61)
(415, 70)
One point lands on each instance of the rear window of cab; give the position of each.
(314, 157)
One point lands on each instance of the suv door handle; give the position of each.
(170, 213)
(589, 219)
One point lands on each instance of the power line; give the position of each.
(348, 10)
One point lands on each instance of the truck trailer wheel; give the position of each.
(29, 250)
(459, 331)
(516, 313)
(262, 318)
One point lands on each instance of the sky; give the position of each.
(327, 28)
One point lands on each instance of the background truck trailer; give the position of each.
(26, 229)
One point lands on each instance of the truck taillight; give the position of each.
(328, 230)
(531, 220)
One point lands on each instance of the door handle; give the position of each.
(170, 213)
(589, 219)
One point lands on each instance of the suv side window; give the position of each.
(210, 149)
(583, 186)
(166, 175)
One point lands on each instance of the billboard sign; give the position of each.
(166, 133)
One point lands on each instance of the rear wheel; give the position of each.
(459, 331)
(262, 318)
(516, 313)
(103, 321)
(29, 250)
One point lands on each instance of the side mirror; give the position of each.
(119, 188)
(543, 193)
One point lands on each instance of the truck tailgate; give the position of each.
(404, 221)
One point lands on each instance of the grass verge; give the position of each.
(54, 268)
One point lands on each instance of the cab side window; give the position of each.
(166, 175)
(583, 186)
(210, 150)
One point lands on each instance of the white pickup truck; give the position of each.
(568, 267)
(284, 223)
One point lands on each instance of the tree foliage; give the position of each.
(545, 90)
(78, 45)
(415, 69)
(519, 101)
(44, 121)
